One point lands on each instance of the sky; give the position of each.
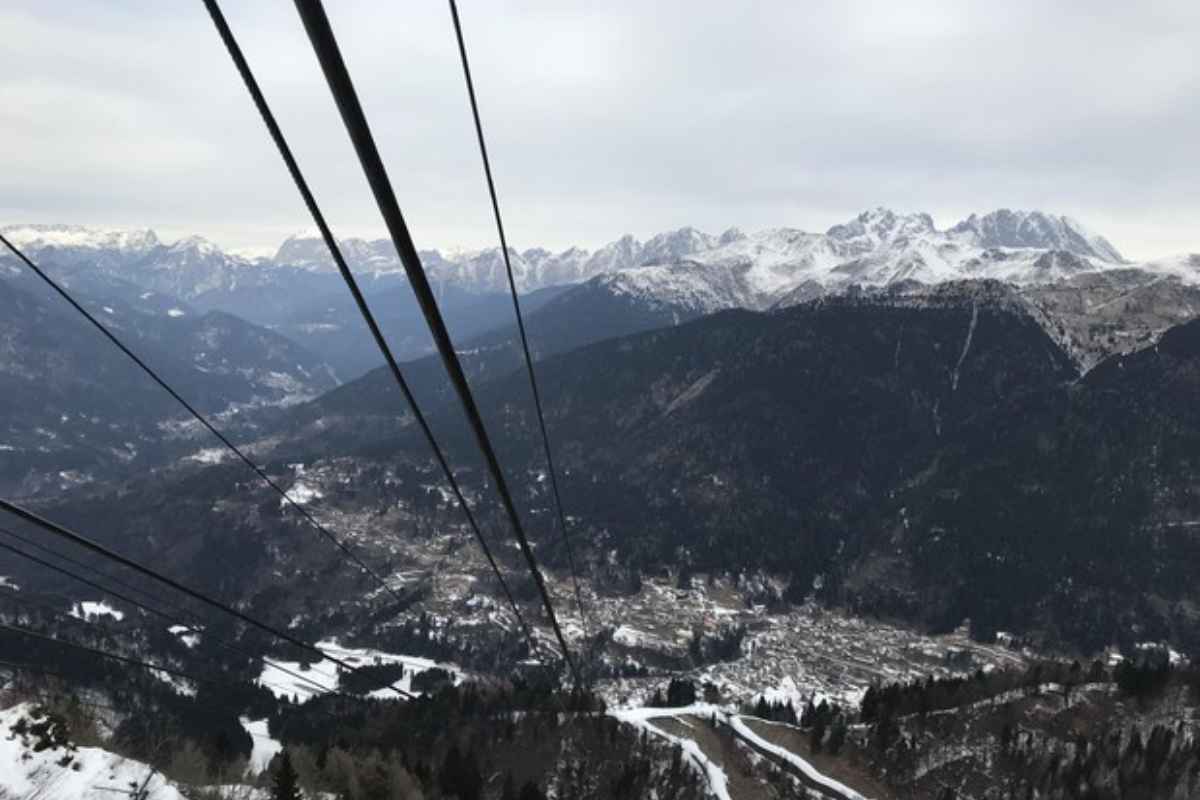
(610, 118)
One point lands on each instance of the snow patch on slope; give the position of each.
(265, 747)
(95, 608)
(301, 494)
(326, 673)
(89, 775)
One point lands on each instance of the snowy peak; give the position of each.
(624, 252)
(1034, 229)
(878, 248)
(195, 247)
(880, 229)
(308, 251)
(303, 250)
(674, 245)
(730, 236)
(41, 237)
(691, 287)
(882, 225)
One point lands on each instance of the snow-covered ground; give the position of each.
(632, 637)
(325, 673)
(180, 685)
(90, 774)
(209, 455)
(301, 493)
(96, 608)
(265, 748)
(189, 636)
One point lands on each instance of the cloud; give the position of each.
(604, 118)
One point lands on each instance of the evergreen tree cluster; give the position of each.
(680, 692)
(1033, 734)
(1145, 674)
(724, 645)
(936, 694)
(826, 724)
(774, 711)
(1113, 764)
(473, 744)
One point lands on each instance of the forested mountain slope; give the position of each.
(75, 409)
(933, 457)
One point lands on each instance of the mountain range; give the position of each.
(244, 335)
(932, 457)
(878, 246)
(886, 416)
(671, 277)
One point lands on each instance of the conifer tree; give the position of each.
(284, 784)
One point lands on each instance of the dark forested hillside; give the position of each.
(781, 440)
(940, 461)
(937, 459)
(557, 322)
(74, 408)
(1079, 507)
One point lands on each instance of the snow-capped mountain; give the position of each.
(308, 251)
(783, 266)
(1022, 229)
(78, 237)
(700, 271)
(877, 247)
(186, 269)
(686, 269)
(483, 270)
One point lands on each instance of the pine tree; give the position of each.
(817, 736)
(809, 715)
(761, 710)
(837, 734)
(284, 783)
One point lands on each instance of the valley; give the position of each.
(797, 469)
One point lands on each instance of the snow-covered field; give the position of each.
(86, 773)
(326, 672)
(96, 608)
(93, 773)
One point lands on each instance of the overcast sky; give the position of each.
(611, 117)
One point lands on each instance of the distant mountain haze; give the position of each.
(878, 246)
